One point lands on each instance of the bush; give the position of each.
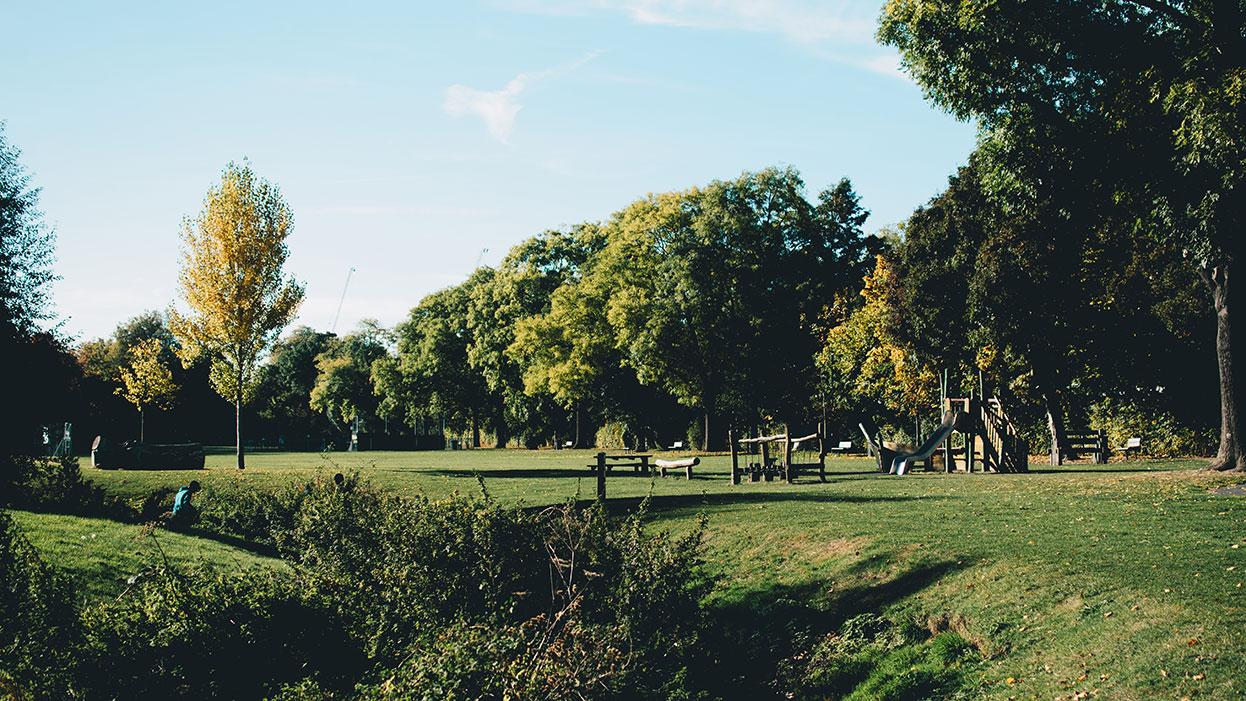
(202, 635)
(38, 622)
(56, 485)
(614, 435)
(389, 598)
(1163, 436)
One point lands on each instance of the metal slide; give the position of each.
(902, 461)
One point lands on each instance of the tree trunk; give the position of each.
(475, 432)
(1055, 425)
(501, 432)
(1230, 455)
(142, 426)
(705, 436)
(242, 458)
(575, 441)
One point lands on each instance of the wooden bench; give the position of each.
(685, 464)
(1078, 442)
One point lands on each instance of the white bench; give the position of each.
(569, 444)
(686, 464)
(679, 445)
(1133, 445)
(843, 447)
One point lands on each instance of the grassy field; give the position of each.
(1121, 581)
(101, 555)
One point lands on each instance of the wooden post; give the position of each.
(821, 457)
(644, 464)
(601, 476)
(735, 457)
(765, 460)
(787, 454)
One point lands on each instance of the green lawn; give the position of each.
(101, 555)
(1124, 581)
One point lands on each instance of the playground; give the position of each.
(1122, 579)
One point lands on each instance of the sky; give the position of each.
(413, 140)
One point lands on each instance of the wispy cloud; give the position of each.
(842, 30)
(498, 108)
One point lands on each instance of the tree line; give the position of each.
(1079, 265)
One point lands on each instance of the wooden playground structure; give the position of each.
(981, 437)
(779, 455)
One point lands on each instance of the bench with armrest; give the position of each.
(842, 447)
(1133, 445)
(679, 445)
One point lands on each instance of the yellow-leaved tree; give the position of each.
(232, 281)
(147, 381)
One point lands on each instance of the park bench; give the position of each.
(679, 445)
(843, 447)
(1093, 442)
(686, 464)
(1133, 445)
(639, 462)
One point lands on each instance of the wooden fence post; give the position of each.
(601, 476)
(735, 457)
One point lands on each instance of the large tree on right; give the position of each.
(1135, 110)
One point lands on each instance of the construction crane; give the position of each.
(342, 299)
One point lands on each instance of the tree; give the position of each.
(520, 288)
(343, 389)
(717, 293)
(232, 281)
(865, 360)
(147, 381)
(26, 257)
(431, 375)
(286, 383)
(1139, 104)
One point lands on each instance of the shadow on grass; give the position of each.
(1095, 468)
(676, 502)
(231, 540)
(521, 472)
(758, 629)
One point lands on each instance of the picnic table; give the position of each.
(639, 462)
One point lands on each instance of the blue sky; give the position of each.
(408, 137)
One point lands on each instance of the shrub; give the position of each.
(204, 635)
(1162, 435)
(38, 622)
(56, 484)
(614, 435)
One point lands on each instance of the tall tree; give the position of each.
(146, 381)
(344, 390)
(717, 293)
(521, 287)
(431, 375)
(26, 257)
(1139, 104)
(286, 383)
(233, 283)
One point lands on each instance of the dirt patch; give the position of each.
(961, 626)
(818, 551)
(1233, 490)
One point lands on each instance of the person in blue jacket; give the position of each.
(184, 512)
